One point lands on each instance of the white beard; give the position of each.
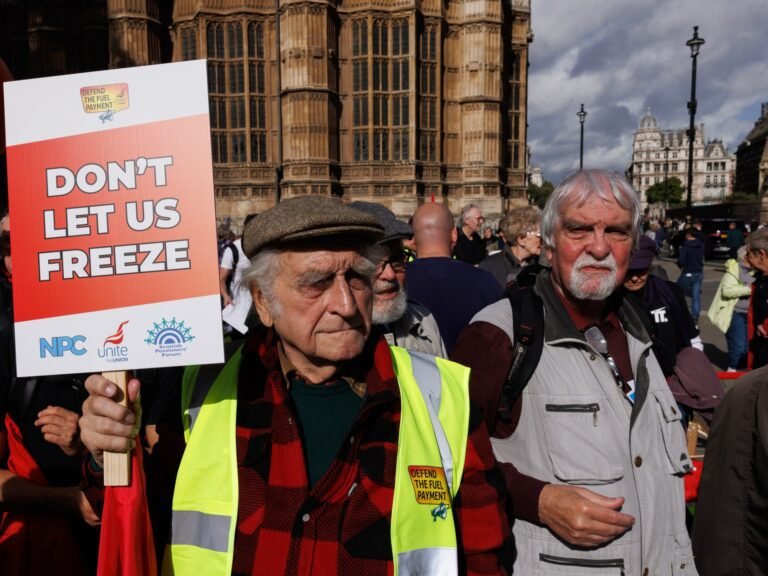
(593, 286)
(387, 311)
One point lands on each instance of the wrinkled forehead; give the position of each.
(335, 256)
(582, 208)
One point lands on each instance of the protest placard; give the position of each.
(114, 237)
(112, 204)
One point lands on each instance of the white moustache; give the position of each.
(382, 286)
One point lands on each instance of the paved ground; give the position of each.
(714, 340)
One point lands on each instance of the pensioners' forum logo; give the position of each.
(169, 337)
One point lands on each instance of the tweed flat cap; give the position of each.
(394, 229)
(305, 217)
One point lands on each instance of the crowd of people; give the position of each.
(421, 397)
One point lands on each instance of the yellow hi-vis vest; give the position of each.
(432, 443)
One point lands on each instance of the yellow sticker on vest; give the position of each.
(429, 484)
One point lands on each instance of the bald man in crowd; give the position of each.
(454, 291)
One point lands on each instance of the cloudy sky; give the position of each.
(620, 57)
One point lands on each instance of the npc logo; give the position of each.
(58, 346)
(113, 350)
(104, 100)
(169, 338)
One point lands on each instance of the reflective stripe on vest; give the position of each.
(430, 460)
(205, 498)
(432, 444)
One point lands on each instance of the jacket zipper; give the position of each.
(594, 408)
(584, 562)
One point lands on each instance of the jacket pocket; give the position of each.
(581, 446)
(672, 432)
(582, 566)
(682, 561)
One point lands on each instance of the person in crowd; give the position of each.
(697, 229)
(469, 245)
(662, 235)
(46, 521)
(491, 240)
(690, 260)
(405, 322)
(730, 307)
(652, 229)
(592, 450)
(452, 290)
(757, 323)
(522, 244)
(734, 239)
(331, 455)
(672, 328)
(730, 527)
(235, 296)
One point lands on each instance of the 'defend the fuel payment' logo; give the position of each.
(169, 338)
(104, 100)
(57, 346)
(113, 350)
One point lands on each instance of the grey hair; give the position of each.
(264, 268)
(518, 221)
(266, 264)
(758, 240)
(464, 211)
(741, 252)
(578, 188)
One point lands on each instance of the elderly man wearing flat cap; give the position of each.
(405, 322)
(318, 448)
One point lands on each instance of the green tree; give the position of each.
(539, 194)
(674, 192)
(741, 198)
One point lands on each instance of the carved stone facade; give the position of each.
(392, 101)
(752, 155)
(658, 154)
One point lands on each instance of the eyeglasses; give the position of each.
(596, 339)
(533, 233)
(398, 261)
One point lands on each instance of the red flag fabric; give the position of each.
(692, 480)
(35, 542)
(127, 546)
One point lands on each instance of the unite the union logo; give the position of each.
(169, 337)
(113, 350)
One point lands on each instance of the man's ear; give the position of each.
(262, 306)
(454, 235)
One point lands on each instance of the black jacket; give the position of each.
(691, 257)
(730, 529)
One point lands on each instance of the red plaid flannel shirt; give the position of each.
(342, 524)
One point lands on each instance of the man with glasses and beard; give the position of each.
(592, 450)
(405, 323)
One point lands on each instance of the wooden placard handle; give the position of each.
(117, 465)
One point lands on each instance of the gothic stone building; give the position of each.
(752, 169)
(658, 154)
(392, 101)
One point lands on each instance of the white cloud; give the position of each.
(620, 56)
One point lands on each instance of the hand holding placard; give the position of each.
(117, 465)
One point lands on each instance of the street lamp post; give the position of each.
(582, 114)
(694, 44)
(666, 180)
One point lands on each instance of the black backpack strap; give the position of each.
(527, 345)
